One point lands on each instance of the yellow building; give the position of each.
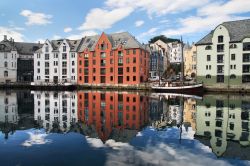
(189, 113)
(190, 61)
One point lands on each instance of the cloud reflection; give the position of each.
(36, 138)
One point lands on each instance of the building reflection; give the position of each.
(55, 111)
(223, 124)
(112, 115)
(189, 114)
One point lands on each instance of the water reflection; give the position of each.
(141, 128)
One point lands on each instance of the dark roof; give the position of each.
(124, 38)
(21, 47)
(238, 30)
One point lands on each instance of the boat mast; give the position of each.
(182, 62)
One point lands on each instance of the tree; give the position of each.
(163, 38)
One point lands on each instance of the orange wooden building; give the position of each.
(112, 59)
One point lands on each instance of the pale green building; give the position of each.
(223, 56)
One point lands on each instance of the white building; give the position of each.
(223, 56)
(8, 61)
(56, 62)
(16, 60)
(8, 107)
(175, 54)
(55, 110)
(166, 52)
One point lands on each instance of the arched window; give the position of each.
(5, 64)
(233, 46)
(208, 48)
(232, 76)
(208, 76)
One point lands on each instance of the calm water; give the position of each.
(122, 128)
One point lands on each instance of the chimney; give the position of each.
(5, 37)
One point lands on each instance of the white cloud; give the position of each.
(150, 32)
(36, 138)
(161, 7)
(81, 35)
(67, 29)
(36, 18)
(102, 19)
(209, 16)
(139, 23)
(12, 32)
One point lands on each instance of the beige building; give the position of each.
(189, 113)
(190, 61)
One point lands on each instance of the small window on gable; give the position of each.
(208, 48)
(233, 46)
(220, 39)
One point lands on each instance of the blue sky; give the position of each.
(38, 20)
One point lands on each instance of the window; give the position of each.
(233, 46)
(5, 55)
(46, 71)
(127, 52)
(232, 57)
(120, 62)
(127, 78)
(55, 70)
(232, 76)
(220, 48)
(94, 62)
(46, 64)
(38, 70)
(86, 79)
(86, 56)
(64, 56)
(103, 79)
(5, 64)
(46, 56)
(134, 78)
(245, 78)
(86, 63)
(208, 48)
(86, 71)
(5, 73)
(246, 69)
(103, 55)
(220, 69)
(46, 48)
(111, 61)
(127, 60)
(38, 63)
(64, 48)
(64, 71)
(64, 64)
(220, 78)
(72, 55)
(134, 69)
(120, 70)
(111, 78)
(220, 39)
(120, 53)
(207, 123)
(127, 69)
(246, 58)
(73, 63)
(246, 46)
(134, 59)
(103, 62)
(103, 71)
(111, 70)
(208, 76)
(208, 57)
(134, 51)
(220, 58)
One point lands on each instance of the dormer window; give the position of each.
(220, 39)
(103, 46)
(64, 48)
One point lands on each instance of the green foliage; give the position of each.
(163, 38)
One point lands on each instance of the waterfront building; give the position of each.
(189, 113)
(222, 121)
(16, 60)
(190, 61)
(56, 62)
(175, 54)
(156, 60)
(112, 59)
(55, 111)
(223, 56)
(112, 115)
(166, 52)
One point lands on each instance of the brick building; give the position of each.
(112, 59)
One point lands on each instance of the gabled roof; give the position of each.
(238, 30)
(116, 39)
(21, 47)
